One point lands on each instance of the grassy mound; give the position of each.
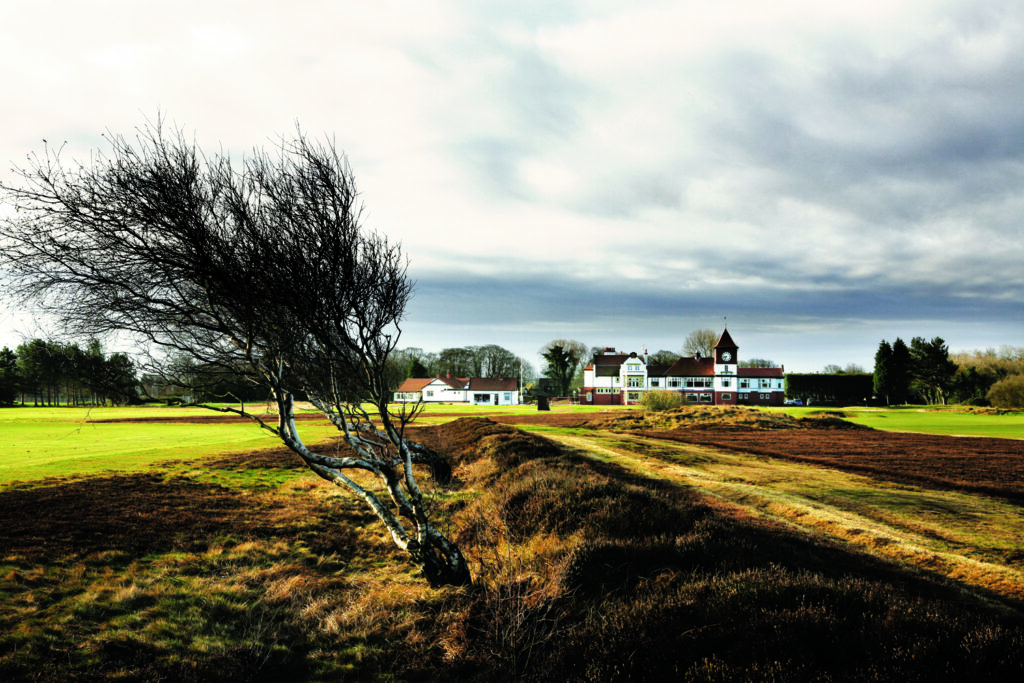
(717, 417)
(584, 573)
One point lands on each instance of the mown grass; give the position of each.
(947, 422)
(38, 443)
(943, 420)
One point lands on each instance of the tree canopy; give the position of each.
(260, 267)
(564, 357)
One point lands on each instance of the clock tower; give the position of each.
(726, 364)
(726, 351)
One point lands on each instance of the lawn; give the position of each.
(36, 443)
(951, 421)
(945, 422)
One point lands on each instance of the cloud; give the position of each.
(846, 164)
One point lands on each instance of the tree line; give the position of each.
(926, 372)
(489, 360)
(50, 373)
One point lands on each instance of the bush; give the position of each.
(1008, 392)
(662, 400)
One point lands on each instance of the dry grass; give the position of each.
(971, 538)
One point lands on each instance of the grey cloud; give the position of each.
(550, 298)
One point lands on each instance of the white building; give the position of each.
(496, 391)
(616, 378)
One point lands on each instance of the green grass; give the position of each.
(945, 422)
(37, 443)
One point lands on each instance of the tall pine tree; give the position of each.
(883, 372)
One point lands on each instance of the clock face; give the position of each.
(726, 356)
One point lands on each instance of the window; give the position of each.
(705, 398)
(481, 398)
(633, 396)
(508, 396)
(430, 392)
(655, 382)
(634, 368)
(673, 383)
(744, 397)
(744, 384)
(692, 398)
(634, 381)
(725, 383)
(726, 397)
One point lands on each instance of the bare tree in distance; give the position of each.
(700, 341)
(262, 265)
(758, 363)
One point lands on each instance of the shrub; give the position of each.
(662, 400)
(1008, 392)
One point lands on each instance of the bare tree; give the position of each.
(700, 341)
(264, 266)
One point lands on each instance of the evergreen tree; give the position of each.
(9, 380)
(417, 369)
(933, 369)
(884, 372)
(563, 357)
(900, 372)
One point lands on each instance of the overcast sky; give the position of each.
(824, 174)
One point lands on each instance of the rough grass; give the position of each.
(206, 570)
(597, 575)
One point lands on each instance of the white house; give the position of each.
(497, 391)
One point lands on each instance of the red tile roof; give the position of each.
(493, 384)
(414, 384)
(759, 372)
(691, 367)
(616, 360)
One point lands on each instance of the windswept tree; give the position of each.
(261, 266)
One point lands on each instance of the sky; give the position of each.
(817, 176)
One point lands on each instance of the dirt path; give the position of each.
(972, 538)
